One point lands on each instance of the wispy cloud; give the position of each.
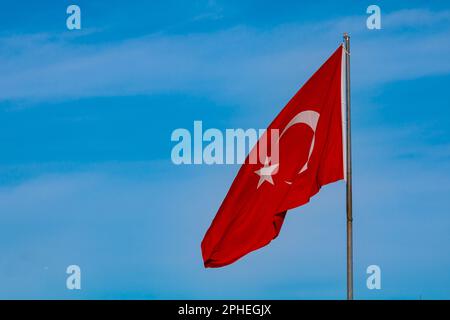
(144, 228)
(232, 64)
(416, 18)
(131, 226)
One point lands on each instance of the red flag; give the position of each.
(310, 143)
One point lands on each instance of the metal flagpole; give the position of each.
(349, 171)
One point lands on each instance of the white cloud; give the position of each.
(145, 228)
(139, 232)
(240, 64)
(416, 18)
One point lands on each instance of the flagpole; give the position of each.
(348, 171)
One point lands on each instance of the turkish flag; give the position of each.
(310, 143)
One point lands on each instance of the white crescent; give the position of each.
(310, 118)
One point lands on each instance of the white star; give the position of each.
(266, 172)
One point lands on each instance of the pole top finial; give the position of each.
(346, 35)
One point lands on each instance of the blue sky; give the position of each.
(85, 124)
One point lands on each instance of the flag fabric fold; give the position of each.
(310, 143)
